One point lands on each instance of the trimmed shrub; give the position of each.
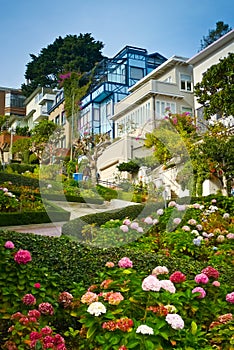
(106, 193)
(75, 226)
(19, 180)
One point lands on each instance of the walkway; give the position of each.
(76, 210)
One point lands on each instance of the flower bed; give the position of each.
(168, 289)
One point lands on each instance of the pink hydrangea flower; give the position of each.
(89, 298)
(124, 228)
(177, 221)
(37, 285)
(171, 204)
(29, 299)
(199, 227)
(201, 291)
(175, 321)
(230, 236)
(46, 330)
(216, 284)
(196, 206)
(34, 313)
(110, 264)
(125, 263)
(127, 222)
(140, 230)
(155, 221)
(192, 222)
(22, 256)
(186, 228)
(46, 309)
(230, 298)
(9, 245)
(160, 270)
(115, 298)
(160, 212)
(134, 225)
(168, 285)
(151, 283)
(148, 220)
(180, 207)
(201, 278)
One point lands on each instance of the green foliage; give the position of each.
(69, 54)
(20, 168)
(18, 179)
(75, 268)
(131, 167)
(106, 193)
(74, 227)
(22, 131)
(172, 138)
(214, 34)
(75, 86)
(215, 91)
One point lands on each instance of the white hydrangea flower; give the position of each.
(96, 308)
(144, 329)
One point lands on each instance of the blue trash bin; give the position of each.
(78, 176)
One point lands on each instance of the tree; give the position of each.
(131, 167)
(45, 136)
(92, 146)
(214, 155)
(22, 147)
(214, 34)
(216, 90)
(70, 54)
(172, 138)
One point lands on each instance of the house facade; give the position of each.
(38, 105)
(57, 115)
(169, 86)
(12, 105)
(113, 78)
(206, 58)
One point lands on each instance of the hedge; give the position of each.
(76, 263)
(79, 263)
(70, 198)
(19, 180)
(73, 228)
(54, 214)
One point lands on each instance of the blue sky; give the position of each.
(169, 27)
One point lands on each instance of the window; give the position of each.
(57, 120)
(63, 142)
(186, 109)
(136, 73)
(185, 82)
(14, 100)
(161, 108)
(63, 118)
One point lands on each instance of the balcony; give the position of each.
(150, 88)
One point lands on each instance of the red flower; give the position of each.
(210, 271)
(177, 277)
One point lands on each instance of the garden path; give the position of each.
(76, 210)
